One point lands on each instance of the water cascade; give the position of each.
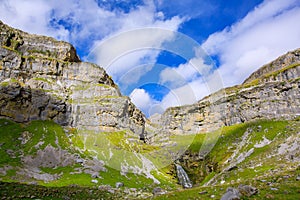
(183, 177)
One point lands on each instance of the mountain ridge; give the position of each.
(223, 106)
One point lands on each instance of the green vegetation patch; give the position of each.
(24, 191)
(9, 143)
(45, 133)
(130, 180)
(276, 73)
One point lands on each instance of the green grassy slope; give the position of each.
(19, 141)
(269, 167)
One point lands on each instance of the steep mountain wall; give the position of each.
(272, 92)
(41, 78)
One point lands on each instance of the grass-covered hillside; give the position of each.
(45, 154)
(264, 154)
(55, 163)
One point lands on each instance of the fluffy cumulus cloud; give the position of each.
(31, 16)
(137, 42)
(184, 73)
(120, 53)
(66, 19)
(267, 32)
(193, 90)
(142, 100)
(81, 22)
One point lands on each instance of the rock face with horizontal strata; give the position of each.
(41, 78)
(272, 92)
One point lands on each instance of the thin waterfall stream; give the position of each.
(183, 177)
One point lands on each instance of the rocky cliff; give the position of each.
(272, 92)
(41, 78)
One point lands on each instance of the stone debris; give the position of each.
(203, 192)
(94, 181)
(158, 191)
(231, 194)
(236, 194)
(247, 190)
(119, 184)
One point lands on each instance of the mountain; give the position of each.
(63, 120)
(51, 83)
(272, 92)
(66, 132)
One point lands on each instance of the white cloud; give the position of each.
(74, 21)
(129, 63)
(139, 45)
(149, 106)
(193, 91)
(267, 32)
(188, 93)
(79, 22)
(132, 75)
(31, 16)
(184, 73)
(142, 100)
(179, 96)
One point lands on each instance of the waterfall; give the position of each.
(183, 177)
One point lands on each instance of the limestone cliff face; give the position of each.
(41, 78)
(272, 92)
(278, 65)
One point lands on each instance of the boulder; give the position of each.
(158, 191)
(247, 190)
(119, 184)
(231, 194)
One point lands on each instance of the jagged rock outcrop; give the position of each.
(279, 64)
(36, 45)
(272, 92)
(41, 78)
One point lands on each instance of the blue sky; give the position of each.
(185, 50)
